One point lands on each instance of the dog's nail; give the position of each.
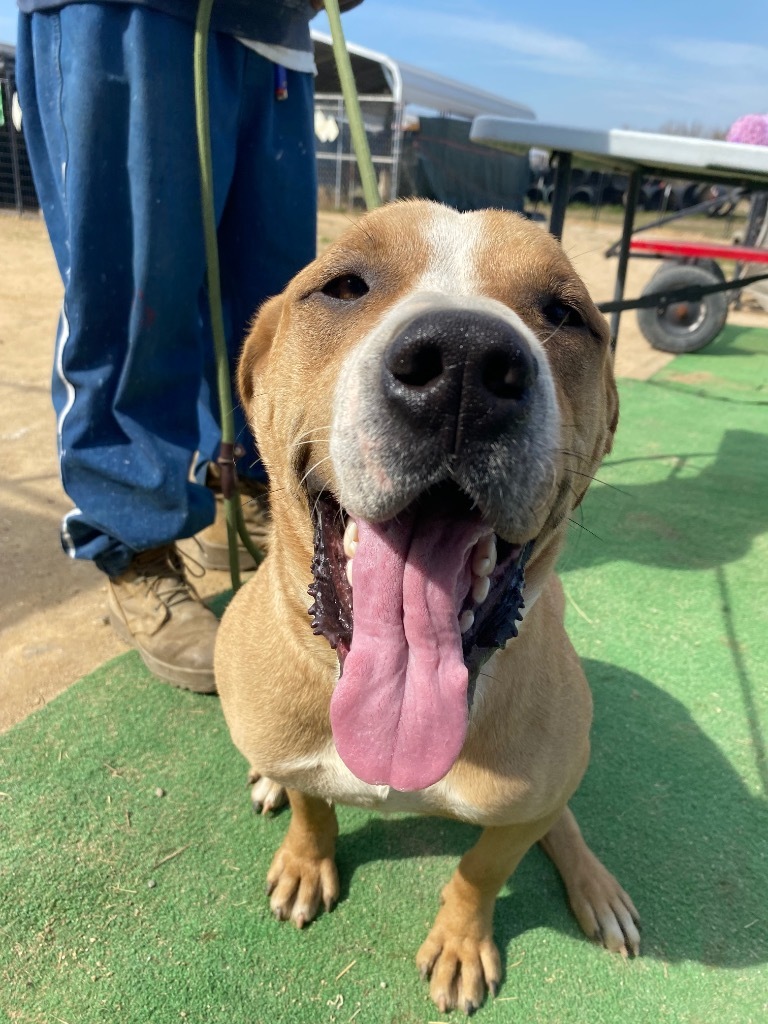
(267, 807)
(351, 539)
(349, 571)
(480, 588)
(469, 1007)
(270, 888)
(493, 988)
(484, 556)
(466, 621)
(300, 921)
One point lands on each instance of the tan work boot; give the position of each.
(213, 543)
(154, 608)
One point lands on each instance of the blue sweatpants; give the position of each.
(107, 101)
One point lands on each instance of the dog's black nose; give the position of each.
(458, 374)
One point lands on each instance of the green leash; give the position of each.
(352, 106)
(226, 460)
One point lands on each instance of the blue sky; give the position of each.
(581, 62)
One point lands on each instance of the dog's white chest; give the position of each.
(329, 778)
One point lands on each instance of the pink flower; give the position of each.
(752, 129)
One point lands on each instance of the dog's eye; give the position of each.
(346, 288)
(561, 314)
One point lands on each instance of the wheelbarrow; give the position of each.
(685, 304)
(688, 324)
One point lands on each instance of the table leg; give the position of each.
(633, 189)
(561, 194)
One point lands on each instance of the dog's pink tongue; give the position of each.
(399, 711)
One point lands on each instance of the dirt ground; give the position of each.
(53, 628)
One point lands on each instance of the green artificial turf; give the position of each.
(118, 904)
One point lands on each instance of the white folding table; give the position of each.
(637, 154)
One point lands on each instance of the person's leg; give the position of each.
(267, 233)
(111, 90)
(107, 99)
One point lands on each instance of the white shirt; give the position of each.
(294, 60)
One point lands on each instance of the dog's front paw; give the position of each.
(298, 884)
(605, 912)
(462, 961)
(266, 795)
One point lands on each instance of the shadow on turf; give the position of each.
(695, 518)
(664, 810)
(734, 340)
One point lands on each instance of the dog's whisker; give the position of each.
(485, 674)
(586, 529)
(589, 476)
(573, 455)
(604, 483)
(314, 467)
(313, 430)
(577, 256)
(362, 228)
(314, 507)
(551, 335)
(316, 440)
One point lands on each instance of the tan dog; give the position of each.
(431, 398)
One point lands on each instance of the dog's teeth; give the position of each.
(466, 621)
(484, 556)
(349, 571)
(351, 539)
(480, 588)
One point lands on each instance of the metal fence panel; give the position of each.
(17, 190)
(339, 185)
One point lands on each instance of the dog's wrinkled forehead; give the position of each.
(418, 246)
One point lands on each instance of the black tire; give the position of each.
(688, 325)
(711, 266)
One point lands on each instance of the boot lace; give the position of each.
(165, 573)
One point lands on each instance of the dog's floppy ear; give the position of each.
(256, 347)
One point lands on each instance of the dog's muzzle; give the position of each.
(445, 389)
(445, 425)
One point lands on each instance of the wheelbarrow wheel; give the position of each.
(711, 267)
(688, 325)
